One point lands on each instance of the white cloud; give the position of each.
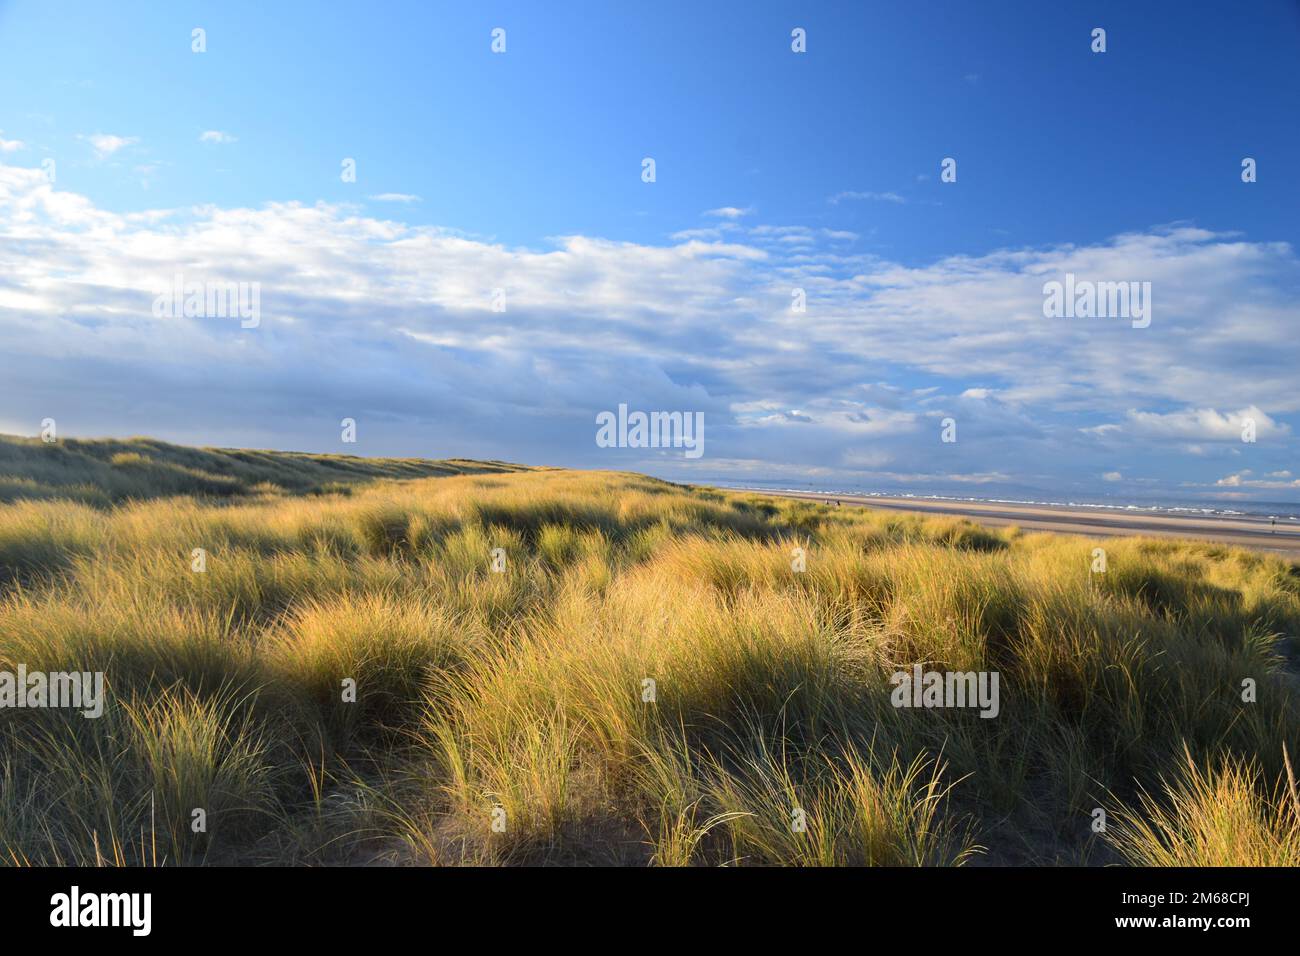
(708, 234)
(106, 144)
(217, 136)
(780, 231)
(11, 145)
(847, 418)
(1242, 479)
(868, 196)
(395, 197)
(1194, 424)
(729, 212)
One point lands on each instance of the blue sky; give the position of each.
(774, 170)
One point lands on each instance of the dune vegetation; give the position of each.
(106, 471)
(559, 667)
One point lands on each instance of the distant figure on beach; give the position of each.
(1272, 523)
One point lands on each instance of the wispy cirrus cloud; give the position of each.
(856, 196)
(216, 136)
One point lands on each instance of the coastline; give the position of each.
(1242, 530)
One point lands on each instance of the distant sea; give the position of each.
(1282, 510)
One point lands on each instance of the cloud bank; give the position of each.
(439, 343)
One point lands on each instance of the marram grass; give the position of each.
(637, 676)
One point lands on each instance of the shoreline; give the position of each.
(1246, 531)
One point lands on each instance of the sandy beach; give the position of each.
(1244, 531)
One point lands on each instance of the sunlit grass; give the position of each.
(566, 667)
